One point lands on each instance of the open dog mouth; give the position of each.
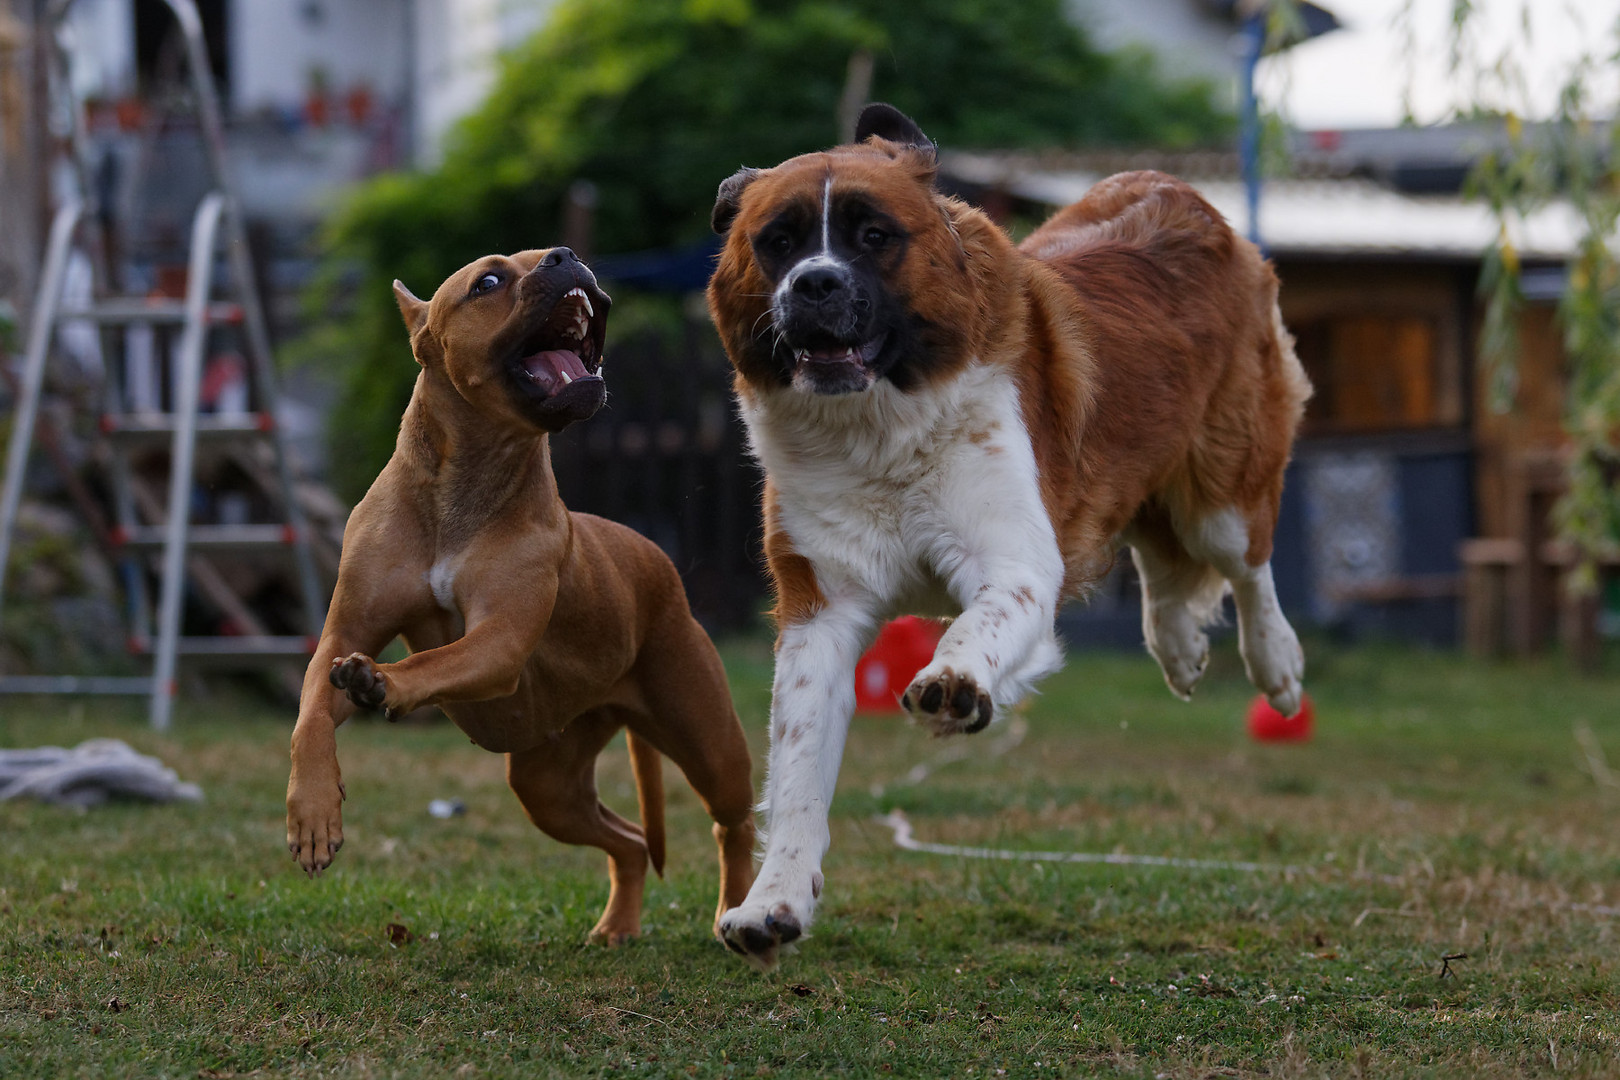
(832, 358)
(566, 347)
(836, 368)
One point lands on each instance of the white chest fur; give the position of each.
(893, 494)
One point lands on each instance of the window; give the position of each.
(1373, 373)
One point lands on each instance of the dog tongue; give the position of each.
(554, 369)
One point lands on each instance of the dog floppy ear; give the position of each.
(729, 199)
(888, 122)
(414, 310)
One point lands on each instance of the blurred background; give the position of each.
(1432, 178)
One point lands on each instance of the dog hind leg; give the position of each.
(556, 783)
(696, 727)
(1272, 656)
(1181, 594)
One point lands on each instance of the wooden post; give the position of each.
(1488, 566)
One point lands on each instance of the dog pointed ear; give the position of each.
(414, 310)
(888, 122)
(729, 199)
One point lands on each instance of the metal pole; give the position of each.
(187, 385)
(1254, 40)
(40, 332)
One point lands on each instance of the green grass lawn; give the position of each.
(1444, 807)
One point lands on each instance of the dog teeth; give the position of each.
(566, 378)
(849, 353)
(577, 291)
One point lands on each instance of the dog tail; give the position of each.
(648, 769)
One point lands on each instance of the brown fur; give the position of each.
(894, 350)
(1153, 377)
(563, 629)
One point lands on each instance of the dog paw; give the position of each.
(1284, 687)
(1275, 664)
(314, 830)
(605, 933)
(357, 676)
(757, 934)
(948, 703)
(1181, 649)
(1183, 673)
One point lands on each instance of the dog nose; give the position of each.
(818, 283)
(557, 256)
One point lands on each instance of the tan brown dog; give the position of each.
(951, 424)
(540, 632)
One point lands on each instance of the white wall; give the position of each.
(102, 57)
(276, 45)
(458, 43)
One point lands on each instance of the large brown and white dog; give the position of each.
(952, 424)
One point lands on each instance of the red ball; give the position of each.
(1268, 725)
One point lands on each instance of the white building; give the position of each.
(431, 61)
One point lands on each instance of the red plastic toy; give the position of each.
(902, 649)
(1268, 725)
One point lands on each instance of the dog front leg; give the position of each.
(315, 790)
(484, 663)
(812, 700)
(993, 653)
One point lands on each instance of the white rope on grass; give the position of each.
(896, 821)
(903, 839)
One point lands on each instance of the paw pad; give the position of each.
(949, 703)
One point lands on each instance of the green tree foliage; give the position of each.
(656, 101)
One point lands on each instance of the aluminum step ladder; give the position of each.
(151, 529)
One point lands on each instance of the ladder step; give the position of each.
(216, 537)
(139, 309)
(154, 425)
(75, 684)
(246, 647)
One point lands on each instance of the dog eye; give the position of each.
(874, 237)
(485, 283)
(780, 244)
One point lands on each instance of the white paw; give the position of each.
(947, 701)
(1275, 664)
(757, 933)
(1181, 649)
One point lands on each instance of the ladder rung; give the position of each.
(246, 647)
(75, 684)
(139, 309)
(209, 536)
(148, 425)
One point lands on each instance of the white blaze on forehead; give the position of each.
(823, 258)
(826, 216)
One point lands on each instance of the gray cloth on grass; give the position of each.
(89, 774)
